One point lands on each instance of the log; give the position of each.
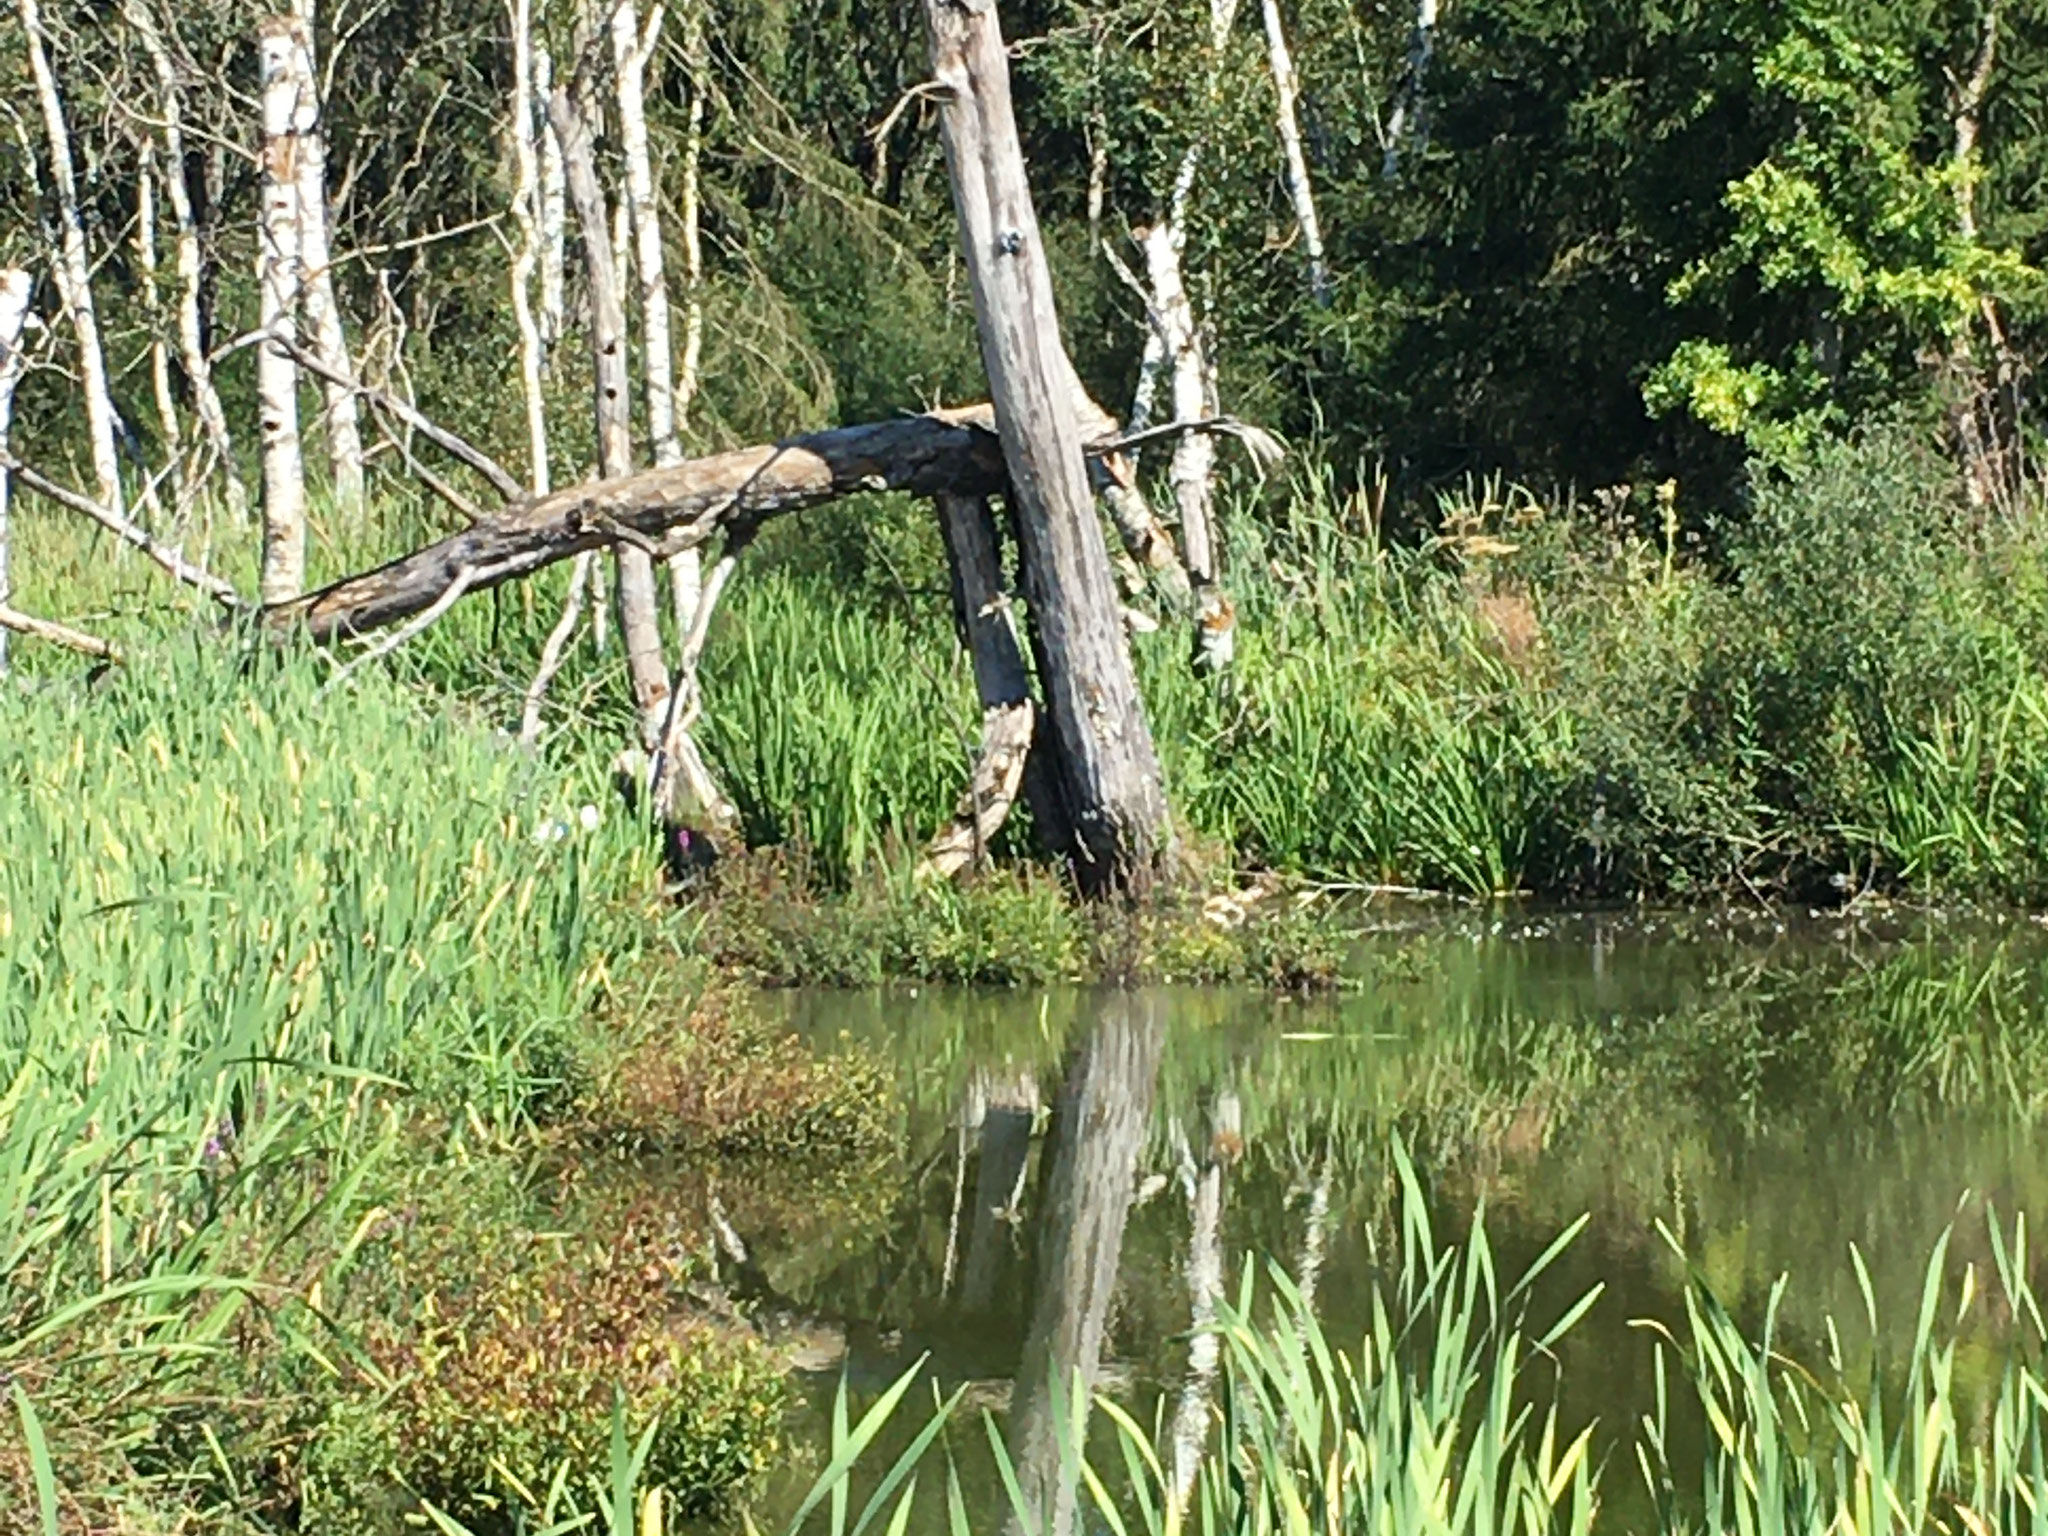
(1107, 761)
(663, 510)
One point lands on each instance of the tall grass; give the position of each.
(240, 923)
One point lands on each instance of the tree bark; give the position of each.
(1098, 1134)
(664, 510)
(159, 349)
(73, 267)
(15, 288)
(325, 334)
(1107, 761)
(1203, 1184)
(1287, 91)
(631, 49)
(554, 205)
(686, 574)
(190, 262)
(639, 615)
(284, 71)
(1008, 715)
(1410, 115)
(526, 213)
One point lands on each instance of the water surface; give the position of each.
(1078, 1168)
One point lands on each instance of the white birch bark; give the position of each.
(1204, 1189)
(74, 268)
(631, 50)
(15, 287)
(189, 261)
(325, 337)
(1410, 115)
(284, 73)
(526, 258)
(554, 204)
(686, 571)
(1287, 92)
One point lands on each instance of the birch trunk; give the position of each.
(1098, 1134)
(631, 49)
(686, 573)
(284, 73)
(190, 263)
(15, 287)
(554, 205)
(527, 213)
(1983, 414)
(73, 268)
(1409, 119)
(325, 335)
(1287, 92)
(639, 621)
(1108, 765)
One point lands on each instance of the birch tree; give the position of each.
(284, 74)
(159, 349)
(325, 335)
(187, 259)
(73, 267)
(15, 288)
(1287, 92)
(526, 258)
(1409, 118)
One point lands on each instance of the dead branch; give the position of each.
(502, 480)
(57, 634)
(172, 560)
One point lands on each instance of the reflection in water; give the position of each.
(1767, 1100)
(1098, 1133)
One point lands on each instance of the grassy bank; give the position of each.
(293, 991)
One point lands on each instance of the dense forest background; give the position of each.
(1585, 243)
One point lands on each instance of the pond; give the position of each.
(1080, 1172)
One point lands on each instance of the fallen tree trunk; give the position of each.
(664, 511)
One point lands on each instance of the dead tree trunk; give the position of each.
(1010, 1108)
(73, 266)
(284, 72)
(1008, 716)
(15, 288)
(639, 620)
(526, 214)
(1109, 768)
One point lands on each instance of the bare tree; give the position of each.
(284, 72)
(73, 266)
(1108, 766)
(526, 129)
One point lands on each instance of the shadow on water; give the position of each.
(1083, 1174)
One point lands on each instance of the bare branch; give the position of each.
(57, 634)
(172, 560)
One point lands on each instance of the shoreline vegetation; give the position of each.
(375, 1035)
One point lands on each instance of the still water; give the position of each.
(1077, 1170)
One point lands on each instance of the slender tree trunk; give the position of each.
(554, 205)
(73, 266)
(190, 262)
(526, 213)
(1410, 117)
(15, 287)
(1287, 91)
(1098, 1134)
(325, 336)
(686, 572)
(1982, 419)
(631, 49)
(159, 348)
(1108, 764)
(284, 72)
(639, 620)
